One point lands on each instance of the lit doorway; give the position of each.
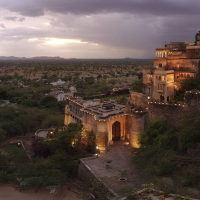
(116, 131)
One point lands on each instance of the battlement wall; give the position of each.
(172, 113)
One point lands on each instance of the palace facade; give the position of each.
(175, 62)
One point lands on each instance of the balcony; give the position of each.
(150, 82)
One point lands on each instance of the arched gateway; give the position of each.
(116, 131)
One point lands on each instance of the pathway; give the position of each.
(120, 154)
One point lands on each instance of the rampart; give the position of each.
(172, 113)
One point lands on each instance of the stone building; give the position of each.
(176, 61)
(109, 121)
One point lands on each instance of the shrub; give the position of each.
(189, 176)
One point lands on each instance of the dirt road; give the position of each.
(8, 192)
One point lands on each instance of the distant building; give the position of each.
(73, 89)
(176, 61)
(59, 82)
(62, 96)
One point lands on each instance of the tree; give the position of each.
(48, 102)
(3, 93)
(112, 81)
(160, 135)
(140, 75)
(69, 137)
(189, 136)
(2, 134)
(41, 174)
(137, 86)
(14, 156)
(89, 80)
(157, 148)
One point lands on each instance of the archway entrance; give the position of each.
(116, 131)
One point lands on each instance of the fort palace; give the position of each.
(111, 121)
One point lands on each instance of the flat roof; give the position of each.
(103, 113)
(101, 110)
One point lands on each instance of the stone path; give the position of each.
(120, 167)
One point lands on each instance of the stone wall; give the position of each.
(192, 99)
(138, 121)
(173, 114)
(183, 63)
(85, 174)
(137, 99)
(102, 141)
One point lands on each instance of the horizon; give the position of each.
(62, 58)
(112, 29)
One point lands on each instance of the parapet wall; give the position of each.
(85, 174)
(172, 113)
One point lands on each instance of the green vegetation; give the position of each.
(166, 152)
(137, 86)
(60, 164)
(20, 120)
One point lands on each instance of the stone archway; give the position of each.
(116, 129)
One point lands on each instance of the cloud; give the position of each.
(14, 18)
(129, 28)
(11, 18)
(21, 19)
(2, 25)
(84, 7)
(23, 33)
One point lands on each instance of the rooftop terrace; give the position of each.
(105, 111)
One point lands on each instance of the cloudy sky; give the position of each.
(95, 28)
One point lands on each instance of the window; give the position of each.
(160, 65)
